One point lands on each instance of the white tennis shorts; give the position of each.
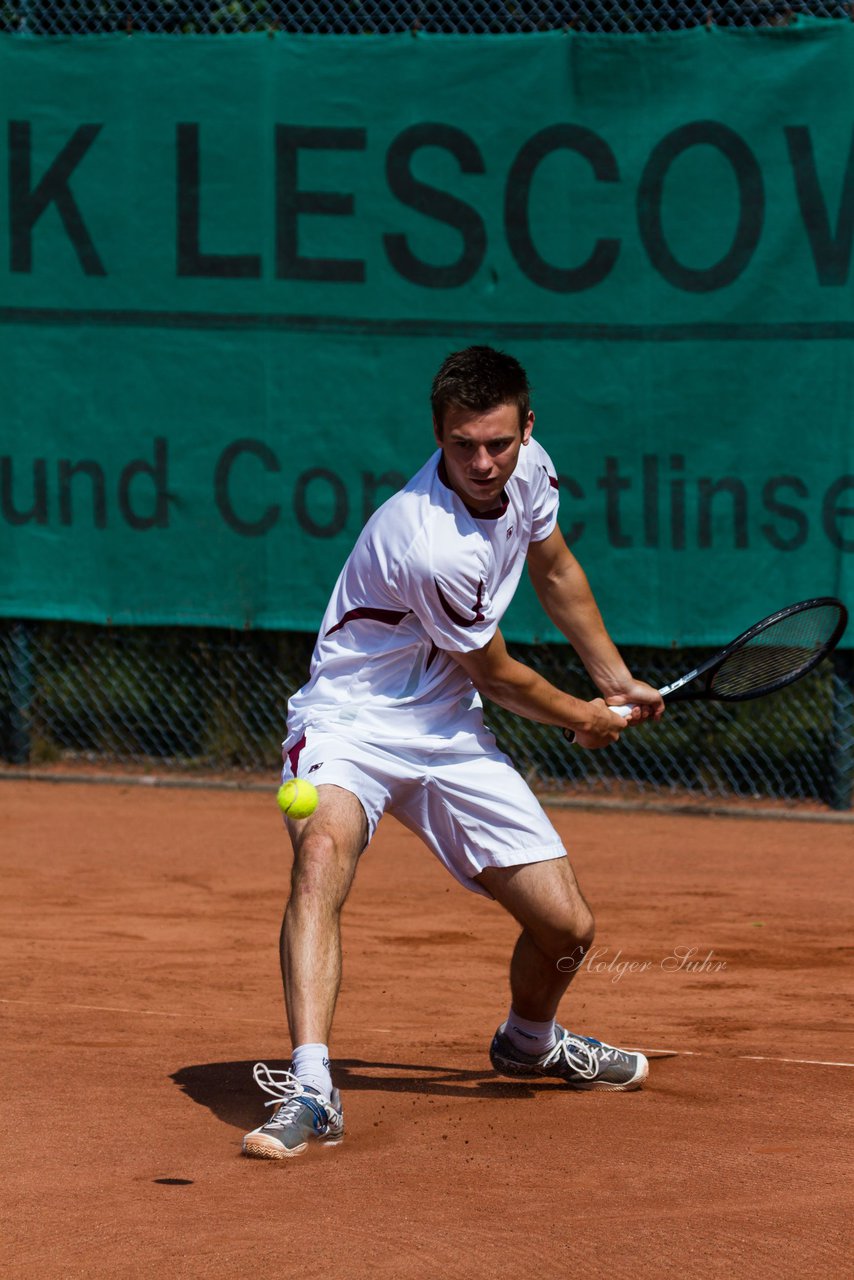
(472, 809)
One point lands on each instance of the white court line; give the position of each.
(137, 1013)
(258, 1022)
(743, 1057)
(810, 1062)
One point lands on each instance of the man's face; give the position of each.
(481, 451)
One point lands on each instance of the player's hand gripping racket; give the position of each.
(768, 656)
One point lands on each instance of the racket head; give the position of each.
(770, 655)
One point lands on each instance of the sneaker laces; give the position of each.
(583, 1054)
(288, 1096)
(283, 1085)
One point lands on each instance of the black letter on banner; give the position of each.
(703, 133)
(371, 483)
(339, 493)
(706, 490)
(190, 259)
(831, 253)
(831, 513)
(159, 519)
(772, 503)
(222, 475)
(566, 137)
(613, 483)
(291, 202)
(67, 471)
(38, 511)
(574, 489)
(26, 204)
(436, 204)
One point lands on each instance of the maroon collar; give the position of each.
(494, 513)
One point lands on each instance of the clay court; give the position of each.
(139, 949)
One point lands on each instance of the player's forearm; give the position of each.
(519, 689)
(569, 603)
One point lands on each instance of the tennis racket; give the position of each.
(768, 656)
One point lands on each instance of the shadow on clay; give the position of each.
(229, 1091)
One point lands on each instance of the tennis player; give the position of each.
(391, 721)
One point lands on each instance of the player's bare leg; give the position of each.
(557, 930)
(326, 847)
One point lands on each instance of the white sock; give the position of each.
(530, 1037)
(310, 1065)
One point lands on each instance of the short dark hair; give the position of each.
(480, 378)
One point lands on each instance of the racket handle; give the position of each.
(625, 711)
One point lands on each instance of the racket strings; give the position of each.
(778, 654)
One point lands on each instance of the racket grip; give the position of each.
(625, 711)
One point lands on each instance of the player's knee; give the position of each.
(570, 936)
(583, 931)
(588, 927)
(317, 870)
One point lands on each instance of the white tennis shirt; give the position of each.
(427, 578)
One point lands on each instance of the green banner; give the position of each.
(232, 265)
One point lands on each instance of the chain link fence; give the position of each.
(190, 699)
(377, 17)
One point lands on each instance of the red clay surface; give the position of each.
(140, 983)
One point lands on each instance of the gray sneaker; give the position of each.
(580, 1061)
(301, 1113)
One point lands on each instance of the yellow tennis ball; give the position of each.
(297, 798)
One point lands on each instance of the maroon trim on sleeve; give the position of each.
(553, 481)
(457, 617)
(391, 617)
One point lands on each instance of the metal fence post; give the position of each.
(21, 682)
(842, 732)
